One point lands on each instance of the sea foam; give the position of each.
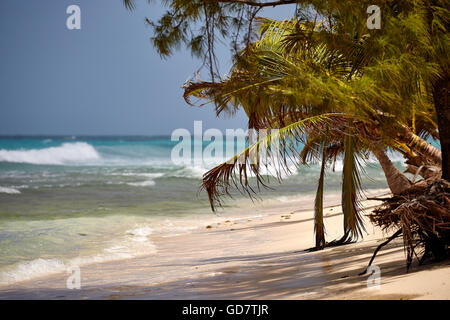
(32, 269)
(67, 153)
(133, 243)
(9, 190)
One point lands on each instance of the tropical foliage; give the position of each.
(323, 86)
(295, 72)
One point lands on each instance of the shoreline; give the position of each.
(260, 258)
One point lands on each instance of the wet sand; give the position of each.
(261, 258)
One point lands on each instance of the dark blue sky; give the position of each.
(103, 79)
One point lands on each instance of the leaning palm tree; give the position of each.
(255, 85)
(263, 107)
(266, 81)
(390, 86)
(292, 71)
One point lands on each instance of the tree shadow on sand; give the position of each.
(327, 274)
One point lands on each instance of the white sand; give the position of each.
(257, 259)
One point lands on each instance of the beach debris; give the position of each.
(422, 216)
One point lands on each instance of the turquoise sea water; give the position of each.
(66, 200)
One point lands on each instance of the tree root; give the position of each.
(422, 213)
(395, 235)
(335, 243)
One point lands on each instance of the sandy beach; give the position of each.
(189, 150)
(261, 258)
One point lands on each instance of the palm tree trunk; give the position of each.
(441, 87)
(319, 228)
(419, 145)
(441, 91)
(396, 180)
(429, 173)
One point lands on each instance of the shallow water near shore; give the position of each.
(77, 200)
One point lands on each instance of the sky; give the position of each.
(104, 79)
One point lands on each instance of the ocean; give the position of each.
(77, 200)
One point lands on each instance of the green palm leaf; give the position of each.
(351, 188)
(278, 147)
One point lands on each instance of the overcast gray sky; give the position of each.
(103, 79)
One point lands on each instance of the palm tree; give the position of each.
(335, 86)
(406, 61)
(293, 76)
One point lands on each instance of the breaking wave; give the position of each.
(9, 190)
(134, 243)
(67, 153)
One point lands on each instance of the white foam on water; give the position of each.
(67, 153)
(9, 190)
(285, 199)
(151, 175)
(170, 228)
(146, 183)
(32, 269)
(139, 234)
(138, 174)
(195, 172)
(134, 243)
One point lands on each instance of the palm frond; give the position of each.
(276, 152)
(129, 4)
(351, 188)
